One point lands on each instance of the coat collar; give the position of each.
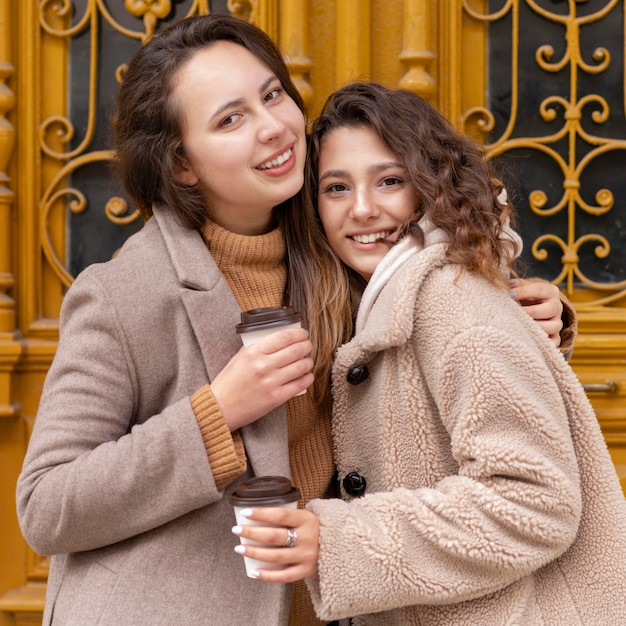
(393, 261)
(403, 267)
(211, 306)
(388, 318)
(190, 257)
(213, 313)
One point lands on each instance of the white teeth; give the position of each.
(279, 160)
(370, 238)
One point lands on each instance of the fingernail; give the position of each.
(245, 512)
(512, 294)
(236, 530)
(240, 549)
(254, 573)
(513, 283)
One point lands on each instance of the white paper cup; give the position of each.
(259, 323)
(253, 564)
(258, 492)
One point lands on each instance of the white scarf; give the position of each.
(405, 249)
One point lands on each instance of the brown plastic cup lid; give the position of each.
(268, 317)
(264, 491)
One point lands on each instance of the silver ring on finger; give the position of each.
(292, 537)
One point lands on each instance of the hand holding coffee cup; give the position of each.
(259, 323)
(263, 491)
(265, 374)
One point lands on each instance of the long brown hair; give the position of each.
(149, 152)
(318, 285)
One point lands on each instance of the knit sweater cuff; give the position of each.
(225, 450)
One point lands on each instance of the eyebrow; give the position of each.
(240, 101)
(378, 167)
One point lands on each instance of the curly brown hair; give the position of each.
(454, 182)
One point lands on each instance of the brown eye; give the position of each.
(230, 120)
(273, 94)
(336, 188)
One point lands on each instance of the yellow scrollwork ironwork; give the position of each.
(150, 10)
(571, 133)
(57, 131)
(78, 204)
(244, 9)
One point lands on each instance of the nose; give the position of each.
(364, 207)
(270, 126)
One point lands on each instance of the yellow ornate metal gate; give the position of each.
(537, 81)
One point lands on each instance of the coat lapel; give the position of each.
(213, 314)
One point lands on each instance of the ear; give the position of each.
(185, 174)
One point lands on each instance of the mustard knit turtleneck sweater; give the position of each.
(253, 267)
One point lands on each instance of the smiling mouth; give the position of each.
(279, 160)
(372, 238)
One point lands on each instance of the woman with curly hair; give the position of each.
(476, 485)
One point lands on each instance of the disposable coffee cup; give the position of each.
(258, 323)
(257, 492)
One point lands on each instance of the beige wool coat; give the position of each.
(116, 483)
(490, 496)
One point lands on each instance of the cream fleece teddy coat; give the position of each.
(491, 498)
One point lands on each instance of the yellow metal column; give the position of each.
(11, 428)
(294, 42)
(7, 140)
(353, 37)
(417, 53)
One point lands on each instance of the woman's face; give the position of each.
(243, 136)
(364, 199)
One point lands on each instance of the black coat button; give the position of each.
(354, 484)
(358, 374)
